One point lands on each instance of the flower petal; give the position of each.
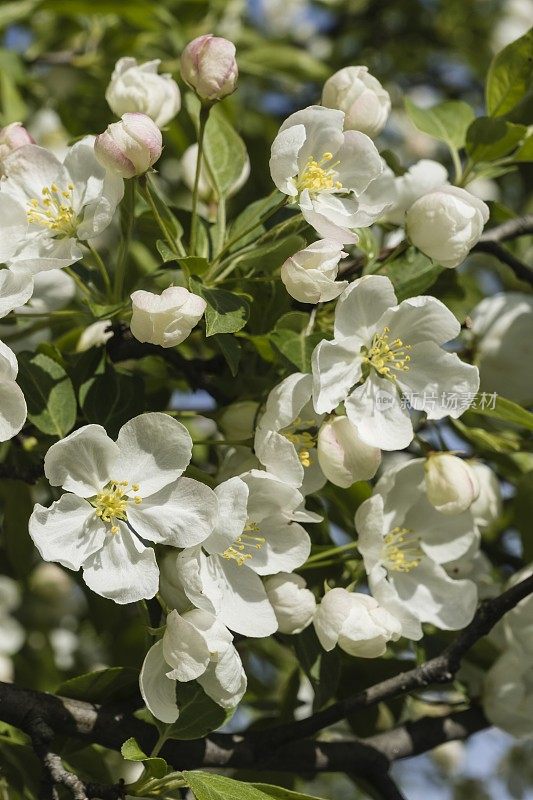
(225, 681)
(184, 649)
(422, 319)
(244, 606)
(16, 288)
(376, 411)
(343, 457)
(232, 496)
(284, 158)
(13, 409)
(286, 547)
(359, 309)
(82, 462)
(158, 691)
(336, 369)
(359, 161)
(68, 532)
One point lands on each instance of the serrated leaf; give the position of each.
(199, 715)
(280, 793)
(296, 347)
(510, 77)
(102, 686)
(207, 786)
(194, 265)
(448, 121)
(226, 312)
(49, 394)
(488, 139)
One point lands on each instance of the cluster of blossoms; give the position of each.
(223, 555)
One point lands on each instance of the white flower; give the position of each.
(165, 319)
(508, 693)
(325, 170)
(16, 288)
(13, 409)
(404, 542)
(309, 275)
(446, 223)
(205, 188)
(209, 67)
(94, 335)
(195, 646)
(356, 622)
(517, 625)
(257, 534)
(342, 455)
(400, 192)
(451, 483)
(138, 87)
(11, 631)
(386, 350)
(116, 494)
(502, 326)
(48, 208)
(294, 605)
(477, 568)
(363, 99)
(131, 146)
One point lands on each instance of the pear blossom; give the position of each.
(451, 483)
(502, 329)
(325, 171)
(206, 190)
(294, 605)
(383, 351)
(195, 646)
(139, 87)
(366, 104)
(257, 534)
(209, 67)
(356, 622)
(129, 147)
(508, 693)
(446, 223)
(118, 494)
(48, 208)
(166, 319)
(303, 448)
(405, 542)
(309, 275)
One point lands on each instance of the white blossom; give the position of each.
(382, 352)
(139, 87)
(451, 483)
(166, 319)
(342, 455)
(48, 208)
(129, 147)
(405, 542)
(116, 495)
(294, 605)
(399, 192)
(325, 170)
(508, 693)
(356, 622)
(309, 275)
(12, 137)
(209, 67)
(446, 223)
(502, 327)
(195, 646)
(366, 104)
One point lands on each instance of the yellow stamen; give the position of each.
(402, 551)
(112, 502)
(52, 212)
(303, 439)
(237, 551)
(385, 356)
(316, 177)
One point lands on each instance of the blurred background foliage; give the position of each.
(56, 57)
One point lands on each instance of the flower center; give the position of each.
(303, 435)
(111, 503)
(402, 551)
(385, 356)
(316, 176)
(54, 210)
(238, 551)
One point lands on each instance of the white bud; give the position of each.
(356, 622)
(166, 319)
(451, 483)
(342, 456)
(445, 224)
(294, 605)
(209, 67)
(205, 188)
(309, 275)
(12, 137)
(363, 99)
(138, 87)
(129, 147)
(487, 506)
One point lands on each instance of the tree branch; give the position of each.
(512, 229)
(490, 242)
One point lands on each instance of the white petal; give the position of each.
(359, 161)
(376, 411)
(444, 538)
(13, 409)
(200, 579)
(422, 319)
(370, 527)
(158, 691)
(336, 369)
(14, 226)
(323, 131)
(83, 462)
(68, 532)
(269, 496)
(286, 401)
(343, 457)
(16, 288)
(184, 649)
(360, 308)
(154, 449)
(181, 514)
(330, 617)
(225, 681)
(8, 363)
(284, 158)
(244, 604)
(41, 252)
(387, 596)
(123, 570)
(279, 456)
(287, 547)
(330, 215)
(232, 496)
(28, 170)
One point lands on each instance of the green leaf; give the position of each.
(488, 139)
(448, 121)
(280, 793)
(224, 152)
(194, 265)
(207, 786)
(296, 347)
(411, 273)
(226, 312)
(156, 767)
(510, 76)
(131, 750)
(504, 410)
(525, 152)
(49, 394)
(102, 686)
(199, 715)
(17, 504)
(13, 106)
(267, 258)
(249, 216)
(282, 60)
(230, 349)
(322, 669)
(523, 513)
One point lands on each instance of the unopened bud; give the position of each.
(209, 67)
(131, 146)
(451, 483)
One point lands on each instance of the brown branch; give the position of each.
(490, 242)
(512, 229)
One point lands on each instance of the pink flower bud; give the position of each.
(12, 137)
(209, 67)
(131, 146)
